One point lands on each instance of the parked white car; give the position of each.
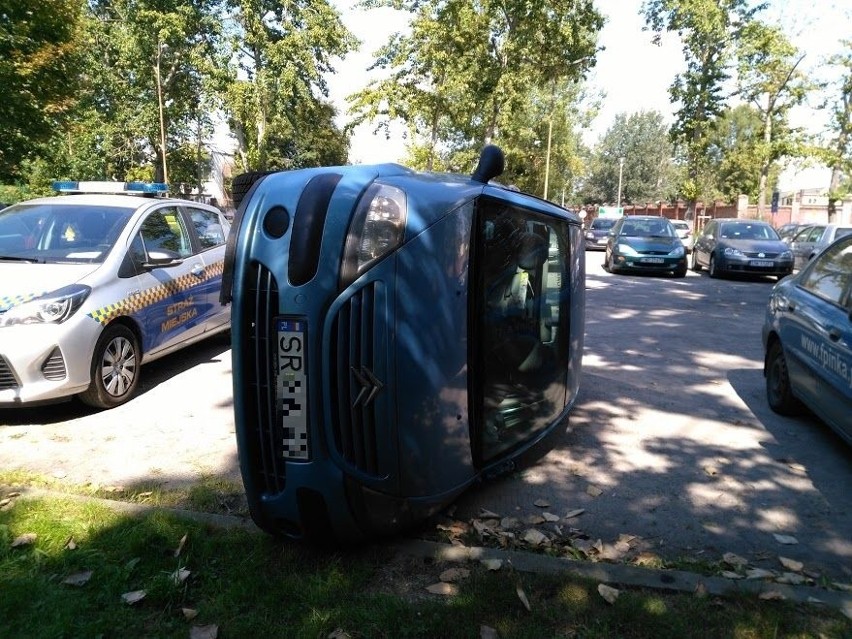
(93, 285)
(684, 232)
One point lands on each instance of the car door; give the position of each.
(211, 231)
(803, 244)
(817, 330)
(705, 243)
(170, 274)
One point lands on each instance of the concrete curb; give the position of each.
(609, 574)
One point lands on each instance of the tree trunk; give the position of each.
(766, 161)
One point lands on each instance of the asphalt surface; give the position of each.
(671, 448)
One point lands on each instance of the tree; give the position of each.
(38, 63)
(768, 78)
(708, 30)
(647, 174)
(838, 149)
(457, 89)
(734, 152)
(282, 50)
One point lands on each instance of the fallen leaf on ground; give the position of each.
(487, 632)
(771, 595)
(759, 573)
(204, 632)
(70, 544)
(488, 514)
(78, 578)
(510, 522)
(454, 574)
(594, 491)
(443, 588)
(608, 593)
(492, 564)
(541, 503)
(523, 597)
(549, 517)
(14, 493)
(339, 633)
(731, 575)
(785, 539)
(133, 597)
(534, 537)
(574, 513)
(181, 544)
(5, 502)
(24, 540)
(700, 589)
(189, 613)
(535, 520)
(180, 575)
(734, 560)
(792, 578)
(791, 564)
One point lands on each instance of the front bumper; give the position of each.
(648, 264)
(751, 266)
(45, 363)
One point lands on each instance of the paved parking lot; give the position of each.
(671, 444)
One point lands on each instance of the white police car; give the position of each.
(807, 336)
(100, 280)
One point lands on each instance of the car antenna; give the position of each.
(491, 164)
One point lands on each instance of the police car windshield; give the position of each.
(60, 233)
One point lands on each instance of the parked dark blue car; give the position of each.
(397, 336)
(807, 337)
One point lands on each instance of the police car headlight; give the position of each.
(51, 308)
(376, 229)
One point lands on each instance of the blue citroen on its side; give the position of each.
(807, 338)
(397, 336)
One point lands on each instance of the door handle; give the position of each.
(198, 271)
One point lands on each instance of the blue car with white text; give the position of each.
(807, 338)
(397, 337)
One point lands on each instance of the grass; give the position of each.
(250, 585)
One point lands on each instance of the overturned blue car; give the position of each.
(397, 336)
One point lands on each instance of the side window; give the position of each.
(208, 228)
(164, 233)
(710, 230)
(830, 273)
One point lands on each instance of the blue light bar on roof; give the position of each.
(132, 188)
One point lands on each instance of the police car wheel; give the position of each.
(779, 394)
(115, 368)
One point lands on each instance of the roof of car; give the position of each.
(112, 200)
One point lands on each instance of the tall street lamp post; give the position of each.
(160, 48)
(620, 170)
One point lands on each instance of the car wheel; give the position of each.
(695, 265)
(115, 368)
(680, 271)
(712, 270)
(779, 394)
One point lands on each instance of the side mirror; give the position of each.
(159, 259)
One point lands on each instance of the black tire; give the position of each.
(695, 265)
(242, 184)
(680, 272)
(779, 393)
(115, 368)
(712, 271)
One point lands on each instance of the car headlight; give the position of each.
(787, 255)
(625, 249)
(677, 251)
(732, 252)
(51, 308)
(376, 229)
(590, 236)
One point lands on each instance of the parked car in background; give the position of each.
(813, 239)
(398, 337)
(787, 231)
(684, 232)
(596, 235)
(99, 281)
(644, 243)
(735, 246)
(807, 339)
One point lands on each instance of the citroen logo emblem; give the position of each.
(370, 386)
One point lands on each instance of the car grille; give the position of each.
(7, 375)
(760, 256)
(265, 439)
(358, 346)
(654, 253)
(53, 367)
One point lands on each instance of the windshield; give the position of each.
(603, 223)
(648, 228)
(51, 233)
(748, 231)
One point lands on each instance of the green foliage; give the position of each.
(39, 59)
(484, 80)
(648, 173)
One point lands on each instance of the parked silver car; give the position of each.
(813, 239)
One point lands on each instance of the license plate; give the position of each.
(291, 387)
(652, 260)
(762, 263)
